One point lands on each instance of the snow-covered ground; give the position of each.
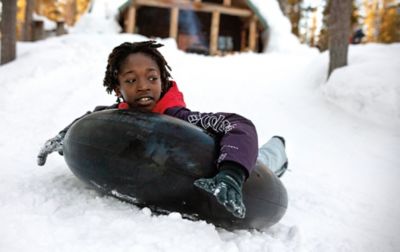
(343, 141)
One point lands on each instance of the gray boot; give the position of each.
(273, 155)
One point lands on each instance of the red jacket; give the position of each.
(172, 98)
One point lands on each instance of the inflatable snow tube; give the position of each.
(152, 160)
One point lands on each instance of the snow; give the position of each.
(48, 25)
(101, 18)
(342, 135)
(378, 102)
(280, 38)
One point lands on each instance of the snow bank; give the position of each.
(369, 86)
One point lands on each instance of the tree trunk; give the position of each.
(27, 28)
(8, 31)
(291, 9)
(283, 4)
(339, 33)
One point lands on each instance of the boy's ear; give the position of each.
(117, 91)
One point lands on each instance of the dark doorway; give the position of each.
(153, 21)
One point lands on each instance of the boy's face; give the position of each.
(139, 82)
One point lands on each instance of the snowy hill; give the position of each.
(343, 143)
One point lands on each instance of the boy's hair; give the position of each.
(121, 52)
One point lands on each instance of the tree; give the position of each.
(8, 31)
(295, 15)
(27, 28)
(291, 9)
(323, 34)
(339, 33)
(373, 19)
(389, 25)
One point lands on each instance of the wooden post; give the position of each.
(38, 30)
(253, 34)
(173, 25)
(227, 2)
(60, 28)
(214, 33)
(130, 20)
(243, 44)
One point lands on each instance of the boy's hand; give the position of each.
(226, 186)
(51, 145)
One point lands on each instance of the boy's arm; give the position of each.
(238, 141)
(56, 143)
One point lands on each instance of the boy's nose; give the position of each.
(143, 85)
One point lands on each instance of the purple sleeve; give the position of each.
(238, 136)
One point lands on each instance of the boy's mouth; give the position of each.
(144, 101)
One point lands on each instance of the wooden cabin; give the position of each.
(211, 27)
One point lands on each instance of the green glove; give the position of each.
(226, 186)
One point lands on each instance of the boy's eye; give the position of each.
(130, 81)
(153, 78)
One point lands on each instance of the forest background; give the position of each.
(327, 25)
(371, 20)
